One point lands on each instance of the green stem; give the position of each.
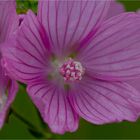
(42, 132)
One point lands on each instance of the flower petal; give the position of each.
(8, 19)
(67, 22)
(26, 58)
(104, 102)
(8, 24)
(115, 9)
(134, 83)
(5, 102)
(54, 107)
(8, 90)
(114, 52)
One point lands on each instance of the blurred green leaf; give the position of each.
(123, 130)
(24, 105)
(15, 129)
(24, 5)
(35, 133)
(131, 5)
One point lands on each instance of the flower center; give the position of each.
(72, 70)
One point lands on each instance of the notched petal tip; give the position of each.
(54, 107)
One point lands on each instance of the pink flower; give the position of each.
(8, 87)
(115, 9)
(76, 64)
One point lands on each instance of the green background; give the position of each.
(15, 128)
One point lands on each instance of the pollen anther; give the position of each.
(72, 70)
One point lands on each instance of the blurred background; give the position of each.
(17, 129)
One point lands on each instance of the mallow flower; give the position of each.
(8, 87)
(77, 64)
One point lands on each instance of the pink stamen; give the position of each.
(72, 70)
